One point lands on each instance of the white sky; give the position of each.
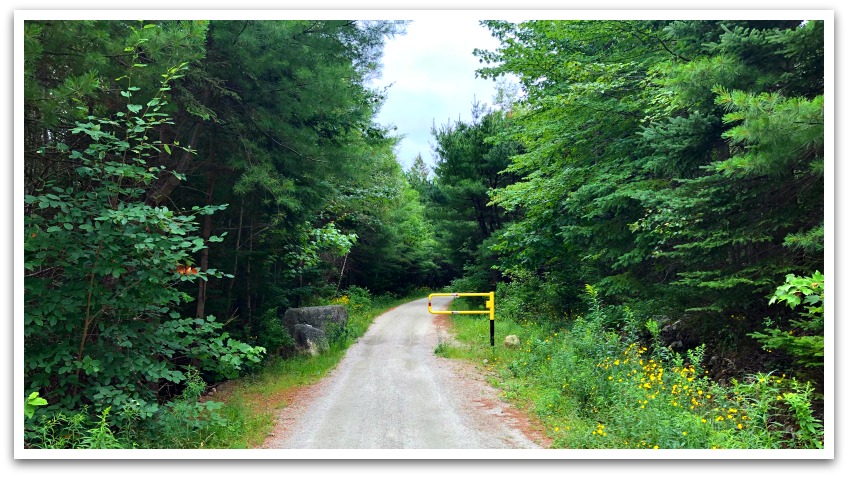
(431, 72)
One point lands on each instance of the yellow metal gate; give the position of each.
(490, 309)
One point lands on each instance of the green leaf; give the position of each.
(33, 401)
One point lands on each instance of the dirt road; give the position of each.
(391, 392)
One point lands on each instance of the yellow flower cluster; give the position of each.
(599, 431)
(342, 300)
(732, 416)
(668, 389)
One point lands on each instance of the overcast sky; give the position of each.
(431, 73)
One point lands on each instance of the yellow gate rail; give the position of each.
(490, 309)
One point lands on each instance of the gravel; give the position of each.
(392, 392)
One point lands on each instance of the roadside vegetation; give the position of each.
(239, 416)
(597, 386)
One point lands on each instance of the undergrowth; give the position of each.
(239, 417)
(598, 387)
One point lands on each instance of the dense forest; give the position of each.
(188, 181)
(675, 166)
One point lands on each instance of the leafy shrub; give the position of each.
(273, 336)
(805, 339)
(104, 271)
(187, 422)
(358, 298)
(336, 334)
(33, 401)
(59, 430)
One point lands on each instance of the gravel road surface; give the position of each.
(392, 392)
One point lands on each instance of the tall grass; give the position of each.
(598, 387)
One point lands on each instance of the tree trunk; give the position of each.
(248, 278)
(166, 184)
(204, 254)
(235, 259)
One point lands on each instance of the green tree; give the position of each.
(418, 175)
(103, 271)
(469, 164)
(675, 165)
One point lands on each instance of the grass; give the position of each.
(591, 387)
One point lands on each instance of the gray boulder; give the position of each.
(310, 326)
(315, 316)
(310, 339)
(512, 341)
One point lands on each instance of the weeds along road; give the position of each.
(392, 392)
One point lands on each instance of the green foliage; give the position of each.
(101, 436)
(188, 422)
(33, 401)
(779, 134)
(809, 429)
(812, 289)
(677, 166)
(805, 340)
(469, 163)
(102, 272)
(358, 298)
(58, 430)
(595, 388)
(273, 336)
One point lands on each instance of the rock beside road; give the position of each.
(310, 339)
(512, 341)
(316, 316)
(309, 325)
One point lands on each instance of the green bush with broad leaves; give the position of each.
(103, 276)
(32, 402)
(804, 338)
